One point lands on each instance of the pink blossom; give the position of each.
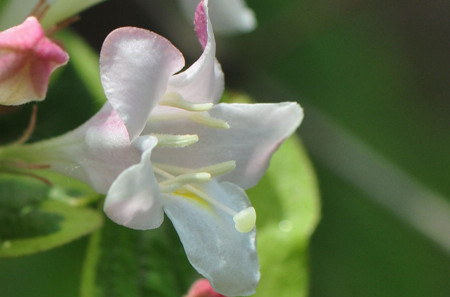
(27, 58)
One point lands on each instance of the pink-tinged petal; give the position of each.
(18, 88)
(27, 59)
(22, 37)
(134, 200)
(226, 257)
(203, 81)
(96, 152)
(202, 288)
(10, 63)
(256, 132)
(135, 66)
(227, 16)
(47, 57)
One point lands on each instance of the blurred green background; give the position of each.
(374, 79)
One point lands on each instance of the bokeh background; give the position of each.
(374, 80)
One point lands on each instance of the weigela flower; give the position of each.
(204, 153)
(227, 16)
(163, 144)
(27, 58)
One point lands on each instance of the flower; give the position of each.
(162, 144)
(227, 16)
(27, 58)
(204, 154)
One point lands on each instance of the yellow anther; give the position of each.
(245, 220)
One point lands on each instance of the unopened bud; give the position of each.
(27, 58)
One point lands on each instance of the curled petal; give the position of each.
(226, 257)
(134, 200)
(203, 81)
(135, 66)
(228, 16)
(256, 131)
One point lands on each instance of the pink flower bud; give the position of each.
(202, 288)
(27, 58)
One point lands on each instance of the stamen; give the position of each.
(174, 99)
(197, 192)
(208, 121)
(245, 220)
(199, 118)
(176, 141)
(214, 170)
(209, 199)
(177, 182)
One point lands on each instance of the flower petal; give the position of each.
(227, 16)
(27, 58)
(134, 200)
(203, 81)
(226, 257)
(256, 132)
(96, 152)
(135, 66)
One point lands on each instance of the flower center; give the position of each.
(187, 181)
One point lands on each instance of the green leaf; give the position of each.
(288, 207)
(122, 262)
(31, 223)
(17, 192)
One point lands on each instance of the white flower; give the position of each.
(162, 144)
(202, 153)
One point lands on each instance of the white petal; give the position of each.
(256, 132)
(226, 257)
(135, 66)
(227, 16)
(134, 199)
(203, 81)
